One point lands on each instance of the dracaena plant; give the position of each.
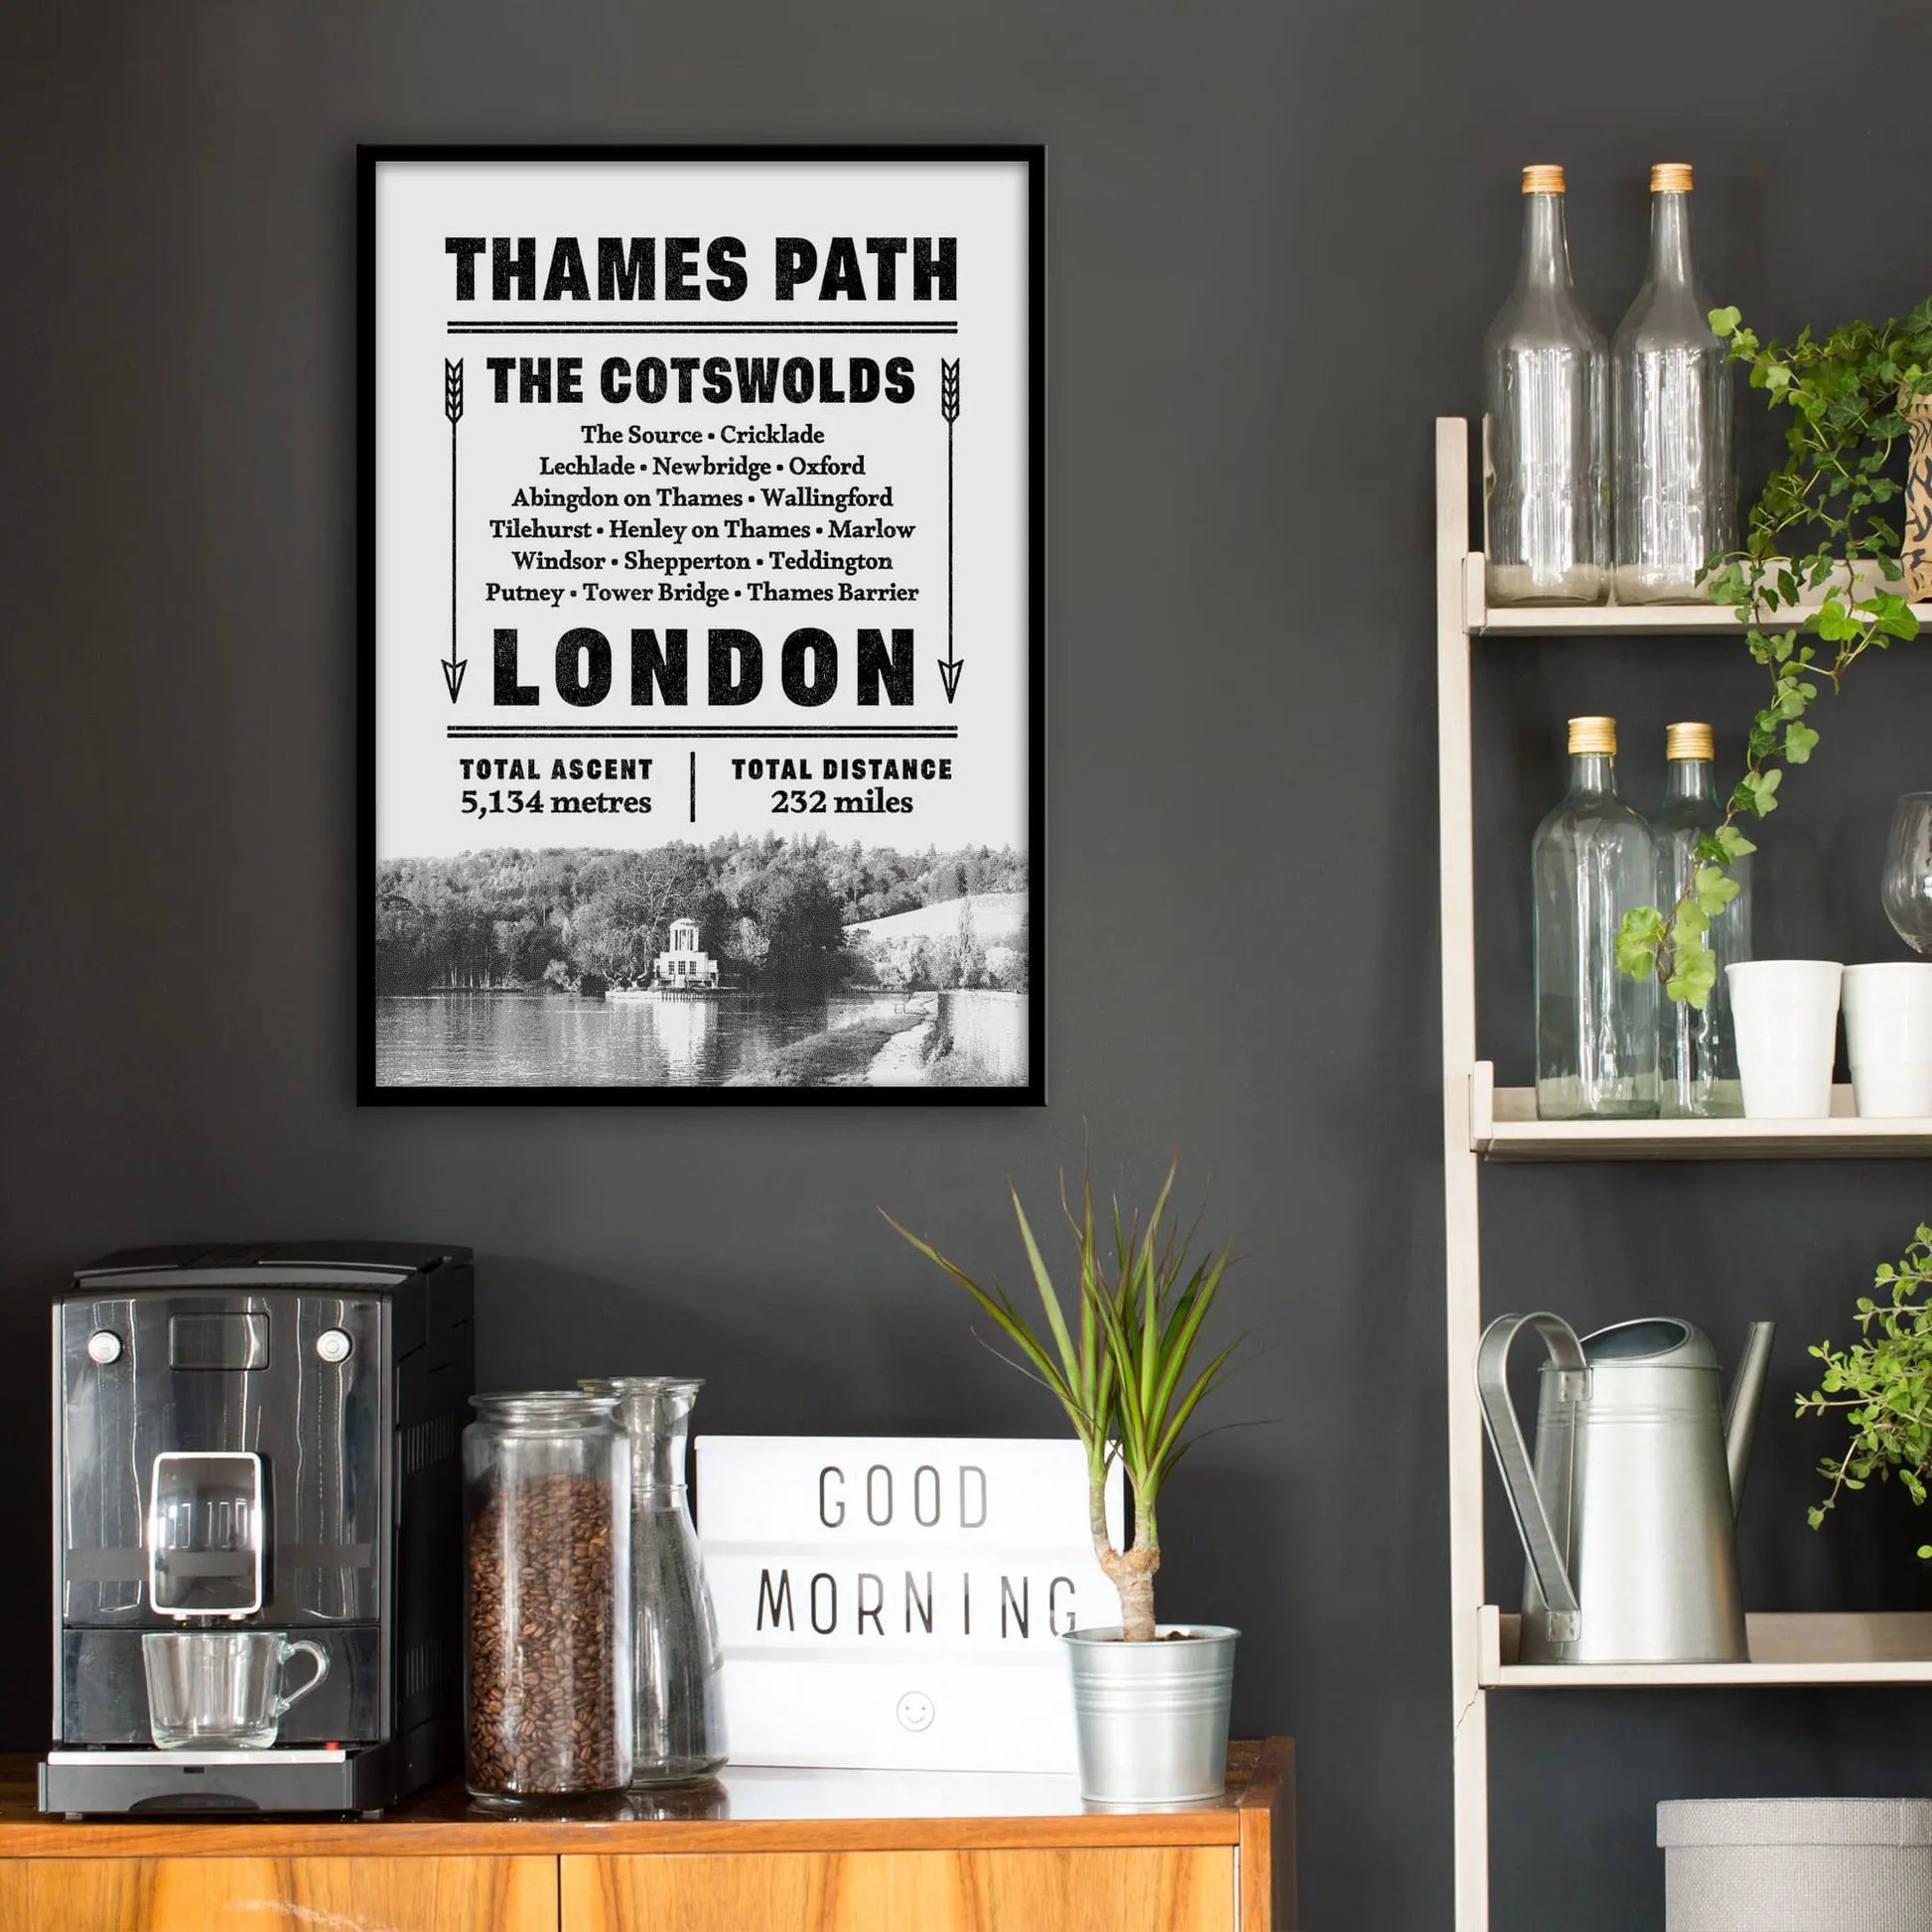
(1124, 1356)
(1883, 1384)
(1846, 394)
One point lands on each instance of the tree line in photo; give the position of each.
(773, 913)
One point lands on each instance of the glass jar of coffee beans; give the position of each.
(546, 1480)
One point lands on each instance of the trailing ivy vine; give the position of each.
(1845, 394)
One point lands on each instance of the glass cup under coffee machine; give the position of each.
(221, 1690)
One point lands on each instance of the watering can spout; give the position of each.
(1746, 1399)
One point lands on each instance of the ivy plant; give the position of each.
(1883, 1385)
(1845, 394)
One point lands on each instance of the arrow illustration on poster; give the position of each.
(949, 666)
(453, 666)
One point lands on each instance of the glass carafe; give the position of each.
(1700, 1071)
(1596, 1026)
(1546, 498)
(1674, 490)
(676, 1667)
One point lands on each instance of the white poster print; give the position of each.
(702, 623)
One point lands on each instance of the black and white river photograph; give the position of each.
(750, 963)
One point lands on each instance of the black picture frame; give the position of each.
(372, 159)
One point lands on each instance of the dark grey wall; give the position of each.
(1277, 234)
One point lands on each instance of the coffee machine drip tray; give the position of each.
(361, 1778)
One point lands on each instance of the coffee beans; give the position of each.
(544, 1637)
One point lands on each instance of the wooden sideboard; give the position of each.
(783, 1850)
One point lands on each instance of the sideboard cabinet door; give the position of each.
(1178, 1889)
(424, 1895)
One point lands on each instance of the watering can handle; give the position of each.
(1544, 1542)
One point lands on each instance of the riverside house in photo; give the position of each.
(685, 967)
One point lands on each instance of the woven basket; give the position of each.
(1917, 554)
(1797, 1865)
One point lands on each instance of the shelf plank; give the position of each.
(1622, 619)
(1633, 620)
(1874, 1647)
(1503, 1127)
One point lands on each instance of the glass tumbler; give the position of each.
(221, 1690)
(676, 1665)
(546, 1491)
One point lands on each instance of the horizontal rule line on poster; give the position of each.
(703, 328)
(701, 730)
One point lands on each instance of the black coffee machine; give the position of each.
(260, 1438)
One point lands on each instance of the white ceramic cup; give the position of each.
(1785, 1012)
(1888, 1036)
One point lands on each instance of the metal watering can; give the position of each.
(1628, 1516)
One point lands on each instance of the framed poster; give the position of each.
(702, 642)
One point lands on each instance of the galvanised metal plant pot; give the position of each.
(1153, 1718)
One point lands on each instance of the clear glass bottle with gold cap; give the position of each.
(1592, 861)
(1675, 493)
(1546, 505)
(1699, 1076)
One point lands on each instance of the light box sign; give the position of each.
(897, 1603)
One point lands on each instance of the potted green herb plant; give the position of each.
(1123, 1354)
(1883, 1385)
